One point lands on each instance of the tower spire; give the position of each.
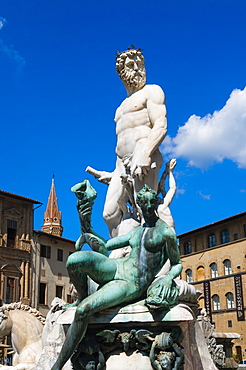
(52, 215)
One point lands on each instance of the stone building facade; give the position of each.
(50, 251)
(16, 233)
(32, 263)
(214, 260)
(50, 277)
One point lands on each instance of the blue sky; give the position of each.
(59, 91)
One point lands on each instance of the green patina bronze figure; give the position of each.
(121, 280)
(86, 195)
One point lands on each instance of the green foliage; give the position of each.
(238, 359)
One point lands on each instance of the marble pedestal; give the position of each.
(123, 349)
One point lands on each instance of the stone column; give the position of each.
(1, 285)
(25, 298)
(26, 292)
(22, 280)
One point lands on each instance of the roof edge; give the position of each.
(16, 196)
(52, 236)
(213, 224)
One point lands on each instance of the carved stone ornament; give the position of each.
(216, 350)
(163, 349)
(25, 325)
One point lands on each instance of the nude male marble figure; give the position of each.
(141, 126)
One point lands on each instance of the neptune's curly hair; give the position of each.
(121, 57)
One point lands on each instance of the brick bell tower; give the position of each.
(52, 215)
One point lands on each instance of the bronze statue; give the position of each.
(121, 280)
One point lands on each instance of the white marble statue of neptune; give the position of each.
(141, 126)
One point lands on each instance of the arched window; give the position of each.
(189, 278)
(216, 302)
(230, 300)
(187, 247)
(200, 273)
(225, 236)
(211, 241)
(227, 267)
(214, 270)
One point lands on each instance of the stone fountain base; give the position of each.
(132, 337)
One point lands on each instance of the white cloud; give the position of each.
(213, 138)
(2, 22)
(180, 191)
(10, 50)
(204, 196)
(12, 54)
